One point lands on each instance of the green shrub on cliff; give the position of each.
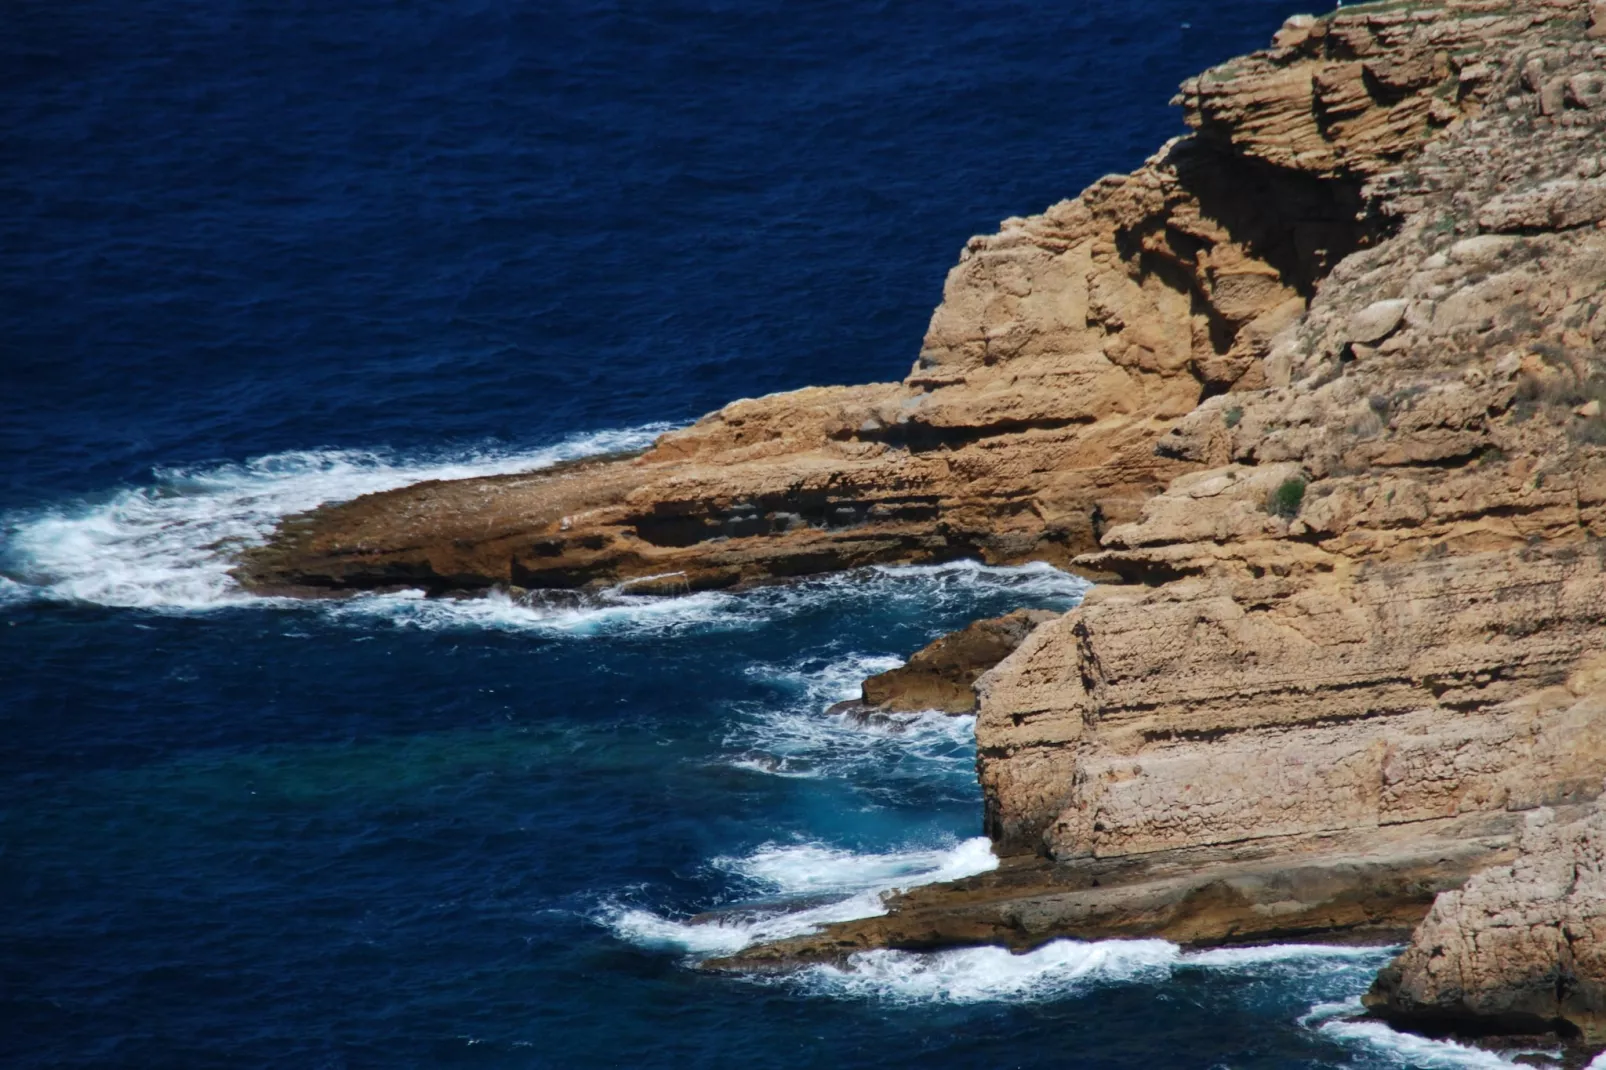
(1287, 498)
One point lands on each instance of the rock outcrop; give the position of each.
(942, 675)
(1065, 347)
(1347, 618)
(1353, 645)
(1321, 387)
(1520, 949)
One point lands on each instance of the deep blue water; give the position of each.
(261, 255)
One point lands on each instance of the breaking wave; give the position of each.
(985, 974)
(170, 545)
(796, 737)
(1056, 970)
(927, 589)
(808, 868)
(857, 880)
(12, 593)
(1338, 1022)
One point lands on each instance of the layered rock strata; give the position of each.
(1345, 618)
(1353, 645)
(1065, 347)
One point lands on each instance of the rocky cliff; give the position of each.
(1319, 387)
(1066, 346)
(1346, 617)
(942, 675)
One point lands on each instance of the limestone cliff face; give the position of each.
(1359, 634)
(1344, 619)
(942, 675)
(1321, 384)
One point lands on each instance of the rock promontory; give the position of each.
(1317, 394)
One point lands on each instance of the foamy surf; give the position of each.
(795, 737)
(498, 612)
(927, 589)
(811, 868)
(964, 579)
(1339, 1022)
(1057, 970)
(734, 931)
(860, 879)
(987, 974)
(170, 545)
(12, 593)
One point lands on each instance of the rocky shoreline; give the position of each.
(1317, 393)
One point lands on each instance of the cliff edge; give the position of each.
(1320, 389)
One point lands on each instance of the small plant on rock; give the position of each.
(1286, 500)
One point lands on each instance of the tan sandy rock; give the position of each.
(941, 676)
(1320, 384)
(1362, 625)
(1520, 949)
(1064, 347)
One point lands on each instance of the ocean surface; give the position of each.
(262, 255)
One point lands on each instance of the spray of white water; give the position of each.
(856, 881)
(170, 545)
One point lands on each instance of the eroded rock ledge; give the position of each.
(1065, 347)
(1322, 385)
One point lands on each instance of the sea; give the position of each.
(258, 256)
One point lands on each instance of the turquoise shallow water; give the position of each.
(262, 256)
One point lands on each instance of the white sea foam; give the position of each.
(13, 593)
(498, 612)
(1054, 971)
(859, 878)
(1342, 1022)
(984, 974)
(171, 545)
(809, 868)
(733, 931)
(1036, 579)
(927, 589)
(795, 737)
(1405, 1050)
(967, 975)
(1250, 958)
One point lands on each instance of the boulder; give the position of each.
(1520, 949)
(1377, 321)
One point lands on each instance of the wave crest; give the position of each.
(800, 869)
(797, 738)
(1338, 1022)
